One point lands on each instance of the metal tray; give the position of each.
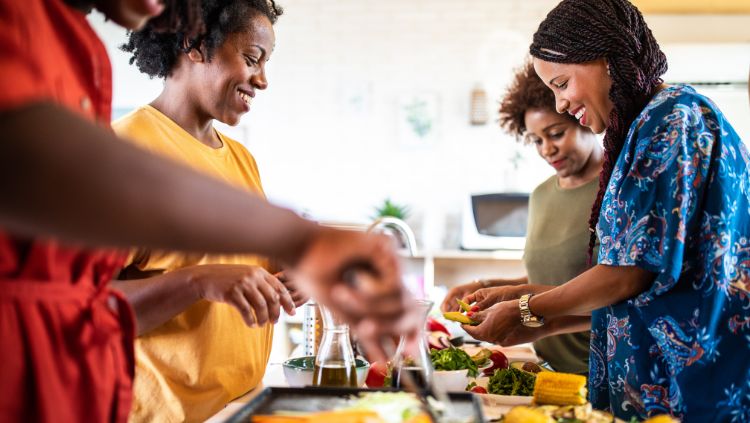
(320, 399)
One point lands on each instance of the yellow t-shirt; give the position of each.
(193, 365)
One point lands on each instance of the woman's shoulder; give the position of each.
(236, 147)
(676, 103)
(545, 188)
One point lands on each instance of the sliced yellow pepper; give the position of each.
(456, 316)
(464, 306)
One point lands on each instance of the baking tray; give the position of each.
(321, 399)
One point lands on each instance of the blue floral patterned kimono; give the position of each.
(678, 205)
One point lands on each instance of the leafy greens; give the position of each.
(453, 359)
(511, 381)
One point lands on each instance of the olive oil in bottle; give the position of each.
(334, 364)
(332, 375)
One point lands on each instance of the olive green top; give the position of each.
(557, 241)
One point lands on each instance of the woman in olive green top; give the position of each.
(557, 236)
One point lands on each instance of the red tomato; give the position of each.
(376, 375)
(478, 390)
(435, 326)
(499, 361)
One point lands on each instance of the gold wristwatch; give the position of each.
(528, 318)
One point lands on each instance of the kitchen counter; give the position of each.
(275, 377)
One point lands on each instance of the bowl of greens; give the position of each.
(452, 368)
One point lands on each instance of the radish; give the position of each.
(438, 340)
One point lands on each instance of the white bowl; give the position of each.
(451, 380)
(299, 371)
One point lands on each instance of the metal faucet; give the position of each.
(399, 226)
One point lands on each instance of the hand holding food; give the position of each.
(458, 292)
(487, 297)
(495, 323)
(462, 316)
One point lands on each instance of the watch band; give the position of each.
(528, 318)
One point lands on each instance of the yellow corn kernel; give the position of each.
(559, 389)
(521, 414)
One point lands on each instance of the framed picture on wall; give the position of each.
(693, 6)
(418, 118)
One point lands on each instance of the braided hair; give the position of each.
(578, 31)
(191, 24)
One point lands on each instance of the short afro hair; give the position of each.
(527, 91)
(185, 25)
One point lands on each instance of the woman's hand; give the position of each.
(501, 324)
(487, 297)
(298, 296)
(255, 293)
(495, 323)
(357, 275)
(458, 292)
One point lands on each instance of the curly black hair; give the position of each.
(527, 91)
(186, 25)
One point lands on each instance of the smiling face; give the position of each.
(563, 144)
(226, 85)
(581, 90)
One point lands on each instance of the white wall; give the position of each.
(326, 132)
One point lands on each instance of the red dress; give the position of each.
(65, 340)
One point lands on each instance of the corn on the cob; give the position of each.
(523, 414)
(664, 418)
(560, 389)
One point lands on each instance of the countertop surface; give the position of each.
(275, 377)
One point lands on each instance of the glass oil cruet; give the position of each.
(412, 355)
(334, 363)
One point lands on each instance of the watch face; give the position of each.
(533, 323)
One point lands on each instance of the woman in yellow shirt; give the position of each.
(204, 320)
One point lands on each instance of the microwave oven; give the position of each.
(495, 221)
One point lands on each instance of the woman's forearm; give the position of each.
(157, 299)
(65, 177)
(595, 288)
(488, 283)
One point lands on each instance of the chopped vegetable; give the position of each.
(458, 317)
(464, 306)
(392, 407)
(511, 381)
(481, 357)
(453, 359)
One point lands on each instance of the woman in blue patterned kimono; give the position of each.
(669, 296)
